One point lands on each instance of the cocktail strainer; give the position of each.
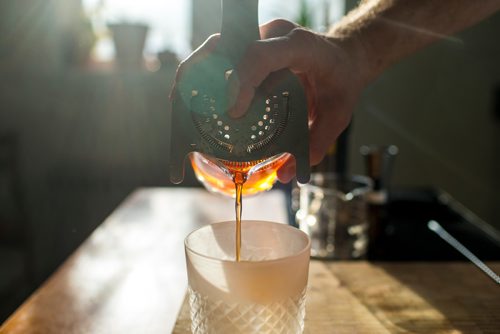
(275, 123)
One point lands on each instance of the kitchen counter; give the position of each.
(364, 297)
(129, 277)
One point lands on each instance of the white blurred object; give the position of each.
(170, 21)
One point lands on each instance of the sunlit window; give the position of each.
(169, 21)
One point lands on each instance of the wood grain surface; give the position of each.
(372, 298)
(129, 276)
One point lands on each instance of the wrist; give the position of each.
(358, 54)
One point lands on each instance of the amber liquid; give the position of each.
(237, 179)
(260, 174)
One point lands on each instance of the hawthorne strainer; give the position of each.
(276, 121)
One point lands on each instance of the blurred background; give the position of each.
(84, 116)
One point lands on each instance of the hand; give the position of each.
(331, 77)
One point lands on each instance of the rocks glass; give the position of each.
(263, 293)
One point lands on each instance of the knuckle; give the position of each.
(256, 59)
(302, 43)
(279, 27)
(283, 23)
(256, 50)
(180, 70)
(212, 39)
(182, 65)
(301, 35)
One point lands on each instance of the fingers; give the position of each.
(287, 172)
(330, 121)
(262, 58)
(199, 54)
(196, 56)
(271, 29)
(276, 28)
(267, 56)
(324, 130)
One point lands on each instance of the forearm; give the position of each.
(381, 32)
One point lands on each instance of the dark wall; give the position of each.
(85, 141)
(85, 138)
(438, 106)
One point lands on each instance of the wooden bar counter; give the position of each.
(129, 277)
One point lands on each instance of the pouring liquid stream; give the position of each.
(236, 179)
(242, 172)
(239, 180)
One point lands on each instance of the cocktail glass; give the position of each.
(262, 293)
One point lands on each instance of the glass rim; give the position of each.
(306, 248)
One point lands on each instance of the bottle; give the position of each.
(379, 161)
(334, 162)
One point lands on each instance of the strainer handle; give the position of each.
(240, 27)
